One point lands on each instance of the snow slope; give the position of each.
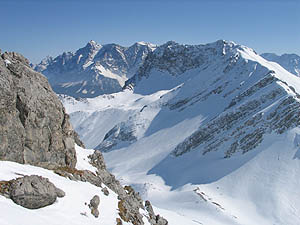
(72, 209)
(207, 132)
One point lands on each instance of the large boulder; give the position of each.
(33, 192)
(34, 128)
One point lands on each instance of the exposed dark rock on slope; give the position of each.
(130, 201)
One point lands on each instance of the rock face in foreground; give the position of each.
(34, 128)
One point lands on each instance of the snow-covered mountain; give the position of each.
(94, 69)
(291, 62)
(208, 132)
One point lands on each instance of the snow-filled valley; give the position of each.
(208, 133)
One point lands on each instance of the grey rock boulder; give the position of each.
(94, 203)
(34, 192)
(105, 191)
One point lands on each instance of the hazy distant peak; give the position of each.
(290, 62)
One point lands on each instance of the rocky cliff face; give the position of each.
(34, 126)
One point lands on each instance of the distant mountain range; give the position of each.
(291, 62)
(103, 69)
(93, 69)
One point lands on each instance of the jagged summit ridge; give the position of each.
(94, 69)
(98, 69)
(176, 59)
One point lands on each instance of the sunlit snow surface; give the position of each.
(259, 187)
(71, 209)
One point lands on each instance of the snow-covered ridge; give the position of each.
(239, 81)
(207, 131)
(176, 59)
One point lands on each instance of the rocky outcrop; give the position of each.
(34, 128)
(154, 219)
(79, 175)
(130, 201)
(129, 206)
(32, 192)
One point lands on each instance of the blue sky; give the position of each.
(37, 28)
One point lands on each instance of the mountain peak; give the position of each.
(93, 45)
(92, 42)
